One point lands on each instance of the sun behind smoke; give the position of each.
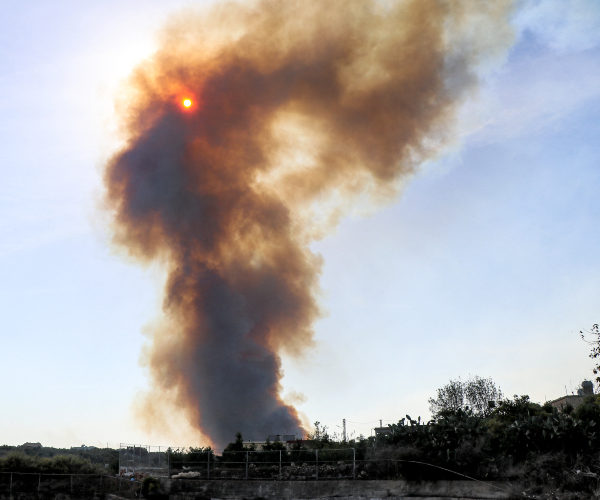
(299, 108)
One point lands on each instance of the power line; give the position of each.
(372, 421)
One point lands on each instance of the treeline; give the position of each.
(60, 464)
(238, 452)
(515, 432)
(535, 446)
(542, 449)
(480, 444)
(58, 460)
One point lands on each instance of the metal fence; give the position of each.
(182, 463)
(144, 458)
(81, 485)
(278, 465)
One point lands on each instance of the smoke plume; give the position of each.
(301, 109)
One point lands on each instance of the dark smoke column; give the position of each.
(299, 109)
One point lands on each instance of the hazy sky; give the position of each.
(486, 265)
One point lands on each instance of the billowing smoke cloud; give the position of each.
(300, 110)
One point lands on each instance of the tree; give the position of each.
(274, 446)
(237, 445)
(509, 410)
(476, 395)
(595, 331)
(451, 397)
(320, 436)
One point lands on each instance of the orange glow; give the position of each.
(187, 103)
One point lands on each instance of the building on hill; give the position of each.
(563, 401)
(83, 447)
(31, 445)
(288, 439)
(586, 389)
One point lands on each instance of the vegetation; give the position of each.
(595, 343)
(103, 458)
(476, 395)
(150, 488)
(474, 432)
(191, 456)
(538, 447)
(17, 461)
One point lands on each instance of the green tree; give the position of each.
(510, 409)
(274, 446)
(476, 395)
(237, 445)
(320, 436)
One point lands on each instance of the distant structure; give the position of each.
(31, 445)
(288, 439)
(284, 438)
(382, 431)
(586, 389)
(83, 447)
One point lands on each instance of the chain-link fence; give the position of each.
(204, 463)
(78, 485)
(144, 458)
(276, 465)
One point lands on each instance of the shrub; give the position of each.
(60, 464)
(150, 487)
(589, 409)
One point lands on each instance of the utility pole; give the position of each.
(344, 421)
(381, 423)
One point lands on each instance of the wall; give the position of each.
(340, 490)
(182, 489)
(574, 401)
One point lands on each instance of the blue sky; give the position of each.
(486, 265)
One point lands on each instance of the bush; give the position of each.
(61, 464)
(509, 410)
(113, 466)
(150, 487)
(589, 409)
(457, 440)
(517, 432)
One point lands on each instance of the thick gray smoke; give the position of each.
(296, 110)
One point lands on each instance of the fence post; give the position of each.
(71, 483)
(354, 464)
(208, 466)
(119, 484)
(280, 465)
(247, 465)
(10, 487)
(39, 482)
(317, 455)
